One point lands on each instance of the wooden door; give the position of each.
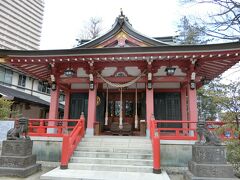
(78, 104)
(167, 106)
(128, 104)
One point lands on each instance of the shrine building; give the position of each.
(122, 79)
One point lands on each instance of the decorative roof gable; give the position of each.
(122, 34)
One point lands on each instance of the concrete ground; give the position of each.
(48, 166)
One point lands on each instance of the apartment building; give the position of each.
(21, 24)
(20, 29)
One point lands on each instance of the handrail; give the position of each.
(186, 132)
(71, 141)
(59, 127)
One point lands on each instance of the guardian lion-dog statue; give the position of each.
(207, 137)
(20, 131)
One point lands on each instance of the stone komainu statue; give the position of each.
(20, 131)
(207, 137)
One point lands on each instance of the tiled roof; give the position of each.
(16, 94)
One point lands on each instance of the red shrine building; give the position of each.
(122, 78)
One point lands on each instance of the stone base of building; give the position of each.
(209, 162)
(17, 158)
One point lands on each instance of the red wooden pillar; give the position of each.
(149, 106)
(184, 107)
(54, 103)
(67, 104)
(192, 106)
(92, 96)
(66, 111)
(53, 110)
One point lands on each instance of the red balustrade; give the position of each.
(71, 141)
(50, 127)
(72, 135)
(228, 133)
(184, 132)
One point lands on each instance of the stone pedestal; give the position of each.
(209, 162)
(17, 158)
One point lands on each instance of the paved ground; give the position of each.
(49, 166)
(102, 175)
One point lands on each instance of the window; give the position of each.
(2, 74)
(43, 88)
(6, 75)
(22, 80)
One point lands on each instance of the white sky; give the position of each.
(63, 19)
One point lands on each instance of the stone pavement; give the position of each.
(48, 166)
(36, 176)
(101, 175)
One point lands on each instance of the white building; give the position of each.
(20, 24)
(20, 29)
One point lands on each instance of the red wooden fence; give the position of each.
(72, 135)
(186, 131)
(50, 127)
(71, 141)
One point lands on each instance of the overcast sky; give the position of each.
(64, 19)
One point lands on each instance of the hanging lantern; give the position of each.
(69, 72)
(192, 84)
(170, 71)
(149, 83)
(91, 83)
(54, 86)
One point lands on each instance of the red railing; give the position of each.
(227, 133)
(186, 131)
(72, 135)
(71, 141)
(50, 127)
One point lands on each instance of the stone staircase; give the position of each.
(113, 153)
(108, 158)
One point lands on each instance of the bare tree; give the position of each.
(191, 33)
(91, 30)
(224, 24)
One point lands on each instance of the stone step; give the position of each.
(112, 155)
(110, 167)
(115, 144)
(111, 161)
(72, 174)
(115, 149)
(117, 139)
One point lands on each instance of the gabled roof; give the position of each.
(122, 25)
